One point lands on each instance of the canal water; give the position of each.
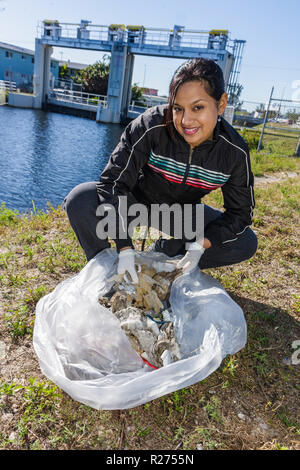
(43, 155)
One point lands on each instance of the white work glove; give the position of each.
(191, 258)
(126, 263)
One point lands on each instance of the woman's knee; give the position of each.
(231, 253)
(81, 197)
(252, 243)
(247, 245)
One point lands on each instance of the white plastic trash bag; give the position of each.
(82, 348)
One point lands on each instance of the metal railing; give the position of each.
(153, 100)
(135, 108)
(93, 99)
(148, 101)
(67, 84)
(8, 85)
(79, 97)
(143, 37)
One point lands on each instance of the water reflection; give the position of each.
(40, 139)
(44, 155)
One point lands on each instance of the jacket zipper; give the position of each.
(188, 166)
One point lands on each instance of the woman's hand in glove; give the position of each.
(126, 263)
(191, 258)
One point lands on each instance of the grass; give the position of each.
(276, 148)
(263, 162)
(250, 402)
(278, 154)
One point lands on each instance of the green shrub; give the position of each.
(8, 216)
(251, 137)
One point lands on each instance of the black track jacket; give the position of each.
(157, 169)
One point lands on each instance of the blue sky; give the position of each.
(270, 27)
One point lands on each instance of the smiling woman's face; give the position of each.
(195, 113)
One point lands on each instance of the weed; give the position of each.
(208, 442)
(29, 253)
(39, 396)
(9, 389)
(15, 280)
(212, 409)
(261, 363)
(178, 399)
(8, 216)
(34, 209)
(202, 435)
(5, 258)
(36, 445)
(263, 340)
(47, 265)
(230, 366)
(31, 236)
(266, 316)
(143, 432)
(35, 294)
(22, 427)
(19, 322)
(286, 420)
(258, 222)
(225, 384)
(178, 433)
(280, 447)
(296, 304)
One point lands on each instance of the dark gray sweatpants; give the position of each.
(81, 205)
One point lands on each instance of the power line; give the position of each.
(271, 67)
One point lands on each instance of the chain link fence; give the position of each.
(273, 126)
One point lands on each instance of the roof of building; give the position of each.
(22, 50)
(12, 47)
(73, 65)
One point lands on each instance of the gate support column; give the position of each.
(41, 77)
(119, 85)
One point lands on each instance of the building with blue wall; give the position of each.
(17, 65)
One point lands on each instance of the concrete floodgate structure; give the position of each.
(123, 43)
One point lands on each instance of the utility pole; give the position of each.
(298, 148)
(265, 121)
(144, 76)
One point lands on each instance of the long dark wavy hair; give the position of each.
(203, 70)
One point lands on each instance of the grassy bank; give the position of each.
(250, 402)
(277, 153)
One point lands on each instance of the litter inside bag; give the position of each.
(82, 348)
